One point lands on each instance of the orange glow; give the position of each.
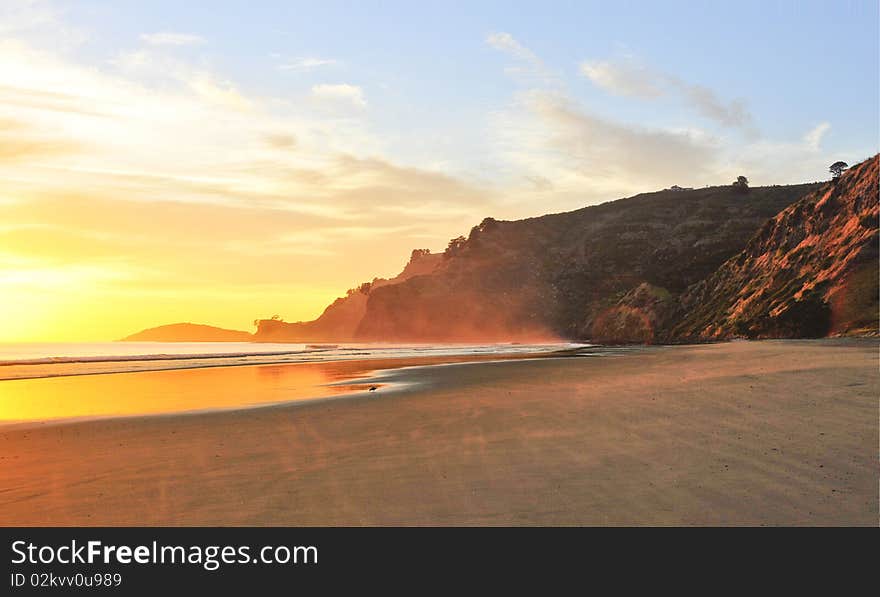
(99, 270)
(125, 205)
(181, 390)
(169, 391)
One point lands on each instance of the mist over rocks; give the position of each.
(678, 265)
(571, 275)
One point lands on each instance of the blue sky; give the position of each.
(222, 161)
(427, 68)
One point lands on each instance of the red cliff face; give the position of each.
(810, 271)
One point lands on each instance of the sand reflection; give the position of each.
(152, 392)
(181, 390)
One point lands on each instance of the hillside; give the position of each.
(341, 318)
(188, 332)
(811, 271)
(560, 275)
(670, 266)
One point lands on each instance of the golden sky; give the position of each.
(124, 206)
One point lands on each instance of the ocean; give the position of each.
(53, 359)
(42, 382)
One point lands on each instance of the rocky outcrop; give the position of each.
(340, 319)
(641, 316)
(810, 271)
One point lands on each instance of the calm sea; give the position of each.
(52, 359)
(43, 382)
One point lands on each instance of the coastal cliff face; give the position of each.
(811, 271)
(341, 318)
(565, 275)
(671, 266)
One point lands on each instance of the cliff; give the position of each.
(811, 271)
(340, 319)
(679, 265)
(564, 275)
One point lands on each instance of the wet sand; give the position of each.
(198, 388)
(745, 433)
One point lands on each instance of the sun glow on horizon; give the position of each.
(85, 313)
(149, 191)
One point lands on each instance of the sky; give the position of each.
(169, 161)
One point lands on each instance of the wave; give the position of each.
(152, 357)
(91, 361)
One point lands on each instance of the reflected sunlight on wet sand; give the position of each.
(182, 390)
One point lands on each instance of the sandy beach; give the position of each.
(743, 433)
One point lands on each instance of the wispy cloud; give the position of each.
(42, 19)
(280, 141)
(797, 160)
(813, 138)
(307, 64)
(554, 146)
(732, 113)
(18, 148)
(507, 43)
(529, 67)
(629, 78)
(172, 38)
(548, 137)
(184, 183)
(160, 66)
(219, 91)
(340, 92)
(153, 158)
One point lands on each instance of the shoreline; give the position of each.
(770, 432)
(339, 379)
(53, 367)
